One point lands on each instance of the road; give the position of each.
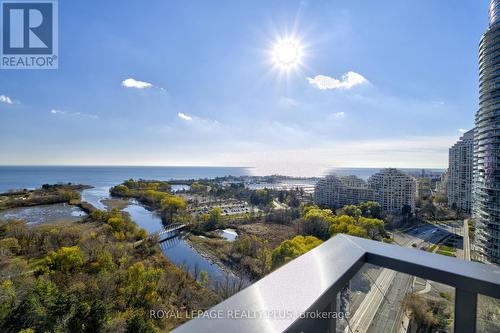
(381, 309)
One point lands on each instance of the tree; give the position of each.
(8, 297)
(317, 222)
(349, 210)
(374, 227)
(441, 199)
(66, 260)
(371, 209)
(261, 197)
(103, 262)
(137, 324)
(428, 210)
(213, 219)
(292, 200)
(88, 318)
(406, 211)
(9, 246)
(198, 187)
(171, 204)
(281, 196)
(354, 230)
(292, 248)
(120, 190)
(346, 224)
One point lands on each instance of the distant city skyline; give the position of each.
(182, 84)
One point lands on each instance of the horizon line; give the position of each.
(199, 166)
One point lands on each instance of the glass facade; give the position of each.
(486, 187)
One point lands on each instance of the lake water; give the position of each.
(17, 177)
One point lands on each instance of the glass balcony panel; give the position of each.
(488, 314)
(379, 300)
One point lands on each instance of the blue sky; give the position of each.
(210, 95)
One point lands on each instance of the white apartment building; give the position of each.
(336, 192)
(460, 173)
(390, 187)
(393, 189)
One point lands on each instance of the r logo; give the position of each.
(29, 28)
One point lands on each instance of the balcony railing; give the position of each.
(311, 283)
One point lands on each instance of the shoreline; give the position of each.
(210, 257)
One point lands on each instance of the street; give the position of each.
(381, 308)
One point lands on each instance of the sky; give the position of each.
(384, 83)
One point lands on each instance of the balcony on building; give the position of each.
(293, 297)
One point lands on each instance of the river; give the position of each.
(176, 249)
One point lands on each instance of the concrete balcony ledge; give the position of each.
(310, 283)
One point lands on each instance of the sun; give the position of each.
(287, 53)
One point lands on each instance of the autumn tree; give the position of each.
(292, 248)
(66, 260)
(350, 210)
(171, 204)
(317, 222)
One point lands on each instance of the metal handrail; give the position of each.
(311, 282)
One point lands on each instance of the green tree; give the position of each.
(406, 211)
(9, 246)
(374, 227)
(198, 187)
(103, 262)
(34, 309)
(371, 209)
(120, 190)
(317, 222)
(213, 219)
(66, 260)
(171, 204)
(347, 225)
(137, 324)
(261, 197)
(141, 285)
(354, 230)
(88, 318)
(292, 248)
(8, 298)
(350, 210)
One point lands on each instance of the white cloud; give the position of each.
(74, 114)
(184, 116)
(338, 115)
(6, 99)
(53, 111)
(462, 130)
(132, 83)
(349, 80)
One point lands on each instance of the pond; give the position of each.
(228, 234)
(56, 213)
